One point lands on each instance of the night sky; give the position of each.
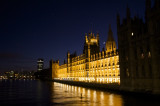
(32, 29)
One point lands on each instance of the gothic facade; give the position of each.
(139, 50)
(93, 65)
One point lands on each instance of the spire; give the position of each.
(91, 28)
(148, 4)
(103, 49)
(157, 4)
(86, 38)
(128, 13)
(118, 20)
(97, 36)
(148, 9)
(110, 43)
(110, 34)
(68, 53)
(64, 61)
(109, 27)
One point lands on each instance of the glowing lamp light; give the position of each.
(132, 33)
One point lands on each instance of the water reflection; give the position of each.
(73, 95)
(39, 93)
(111, 100)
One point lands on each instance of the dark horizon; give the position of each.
(32, 30)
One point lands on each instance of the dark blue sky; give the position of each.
(32, 29)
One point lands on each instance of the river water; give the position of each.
(40, 93)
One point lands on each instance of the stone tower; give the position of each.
(138, 44)
(91, 42)
(110, 43)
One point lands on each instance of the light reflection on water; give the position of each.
(71, 95)
(35, 92)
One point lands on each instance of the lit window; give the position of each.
(127, 72)
(142, 55)
(132, 33)
(149, 54)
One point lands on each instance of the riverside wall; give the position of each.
(99, 86)
(113, 87)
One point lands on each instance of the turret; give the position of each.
(110, 34)
(97, 36)
(157, 4)
(128, 13)
(57, 61)
(148, 9)
(103, 53)
(110, 43)
(148, 4)
(86, 39)
(68, 57)
(89, 53)
(93, 42)
(99, 55)
(118, 21)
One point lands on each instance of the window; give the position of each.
(118, 63)
(148, 50)
(132, 33)
(127, 72)
(142, 53)
(149, 54)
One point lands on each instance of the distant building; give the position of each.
(10, 74)
(40, 64)
(44, 74)
(139, 50)
(93, 65)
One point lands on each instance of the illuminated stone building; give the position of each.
(139, 50)
(93, 65)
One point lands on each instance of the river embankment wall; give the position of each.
(113, 87)
(99, 86)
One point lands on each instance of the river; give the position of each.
(41, 93)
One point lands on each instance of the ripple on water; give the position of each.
(35, 92)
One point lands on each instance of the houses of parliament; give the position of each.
(134, 65)
(93, 65)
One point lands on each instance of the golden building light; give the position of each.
(93, 65)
